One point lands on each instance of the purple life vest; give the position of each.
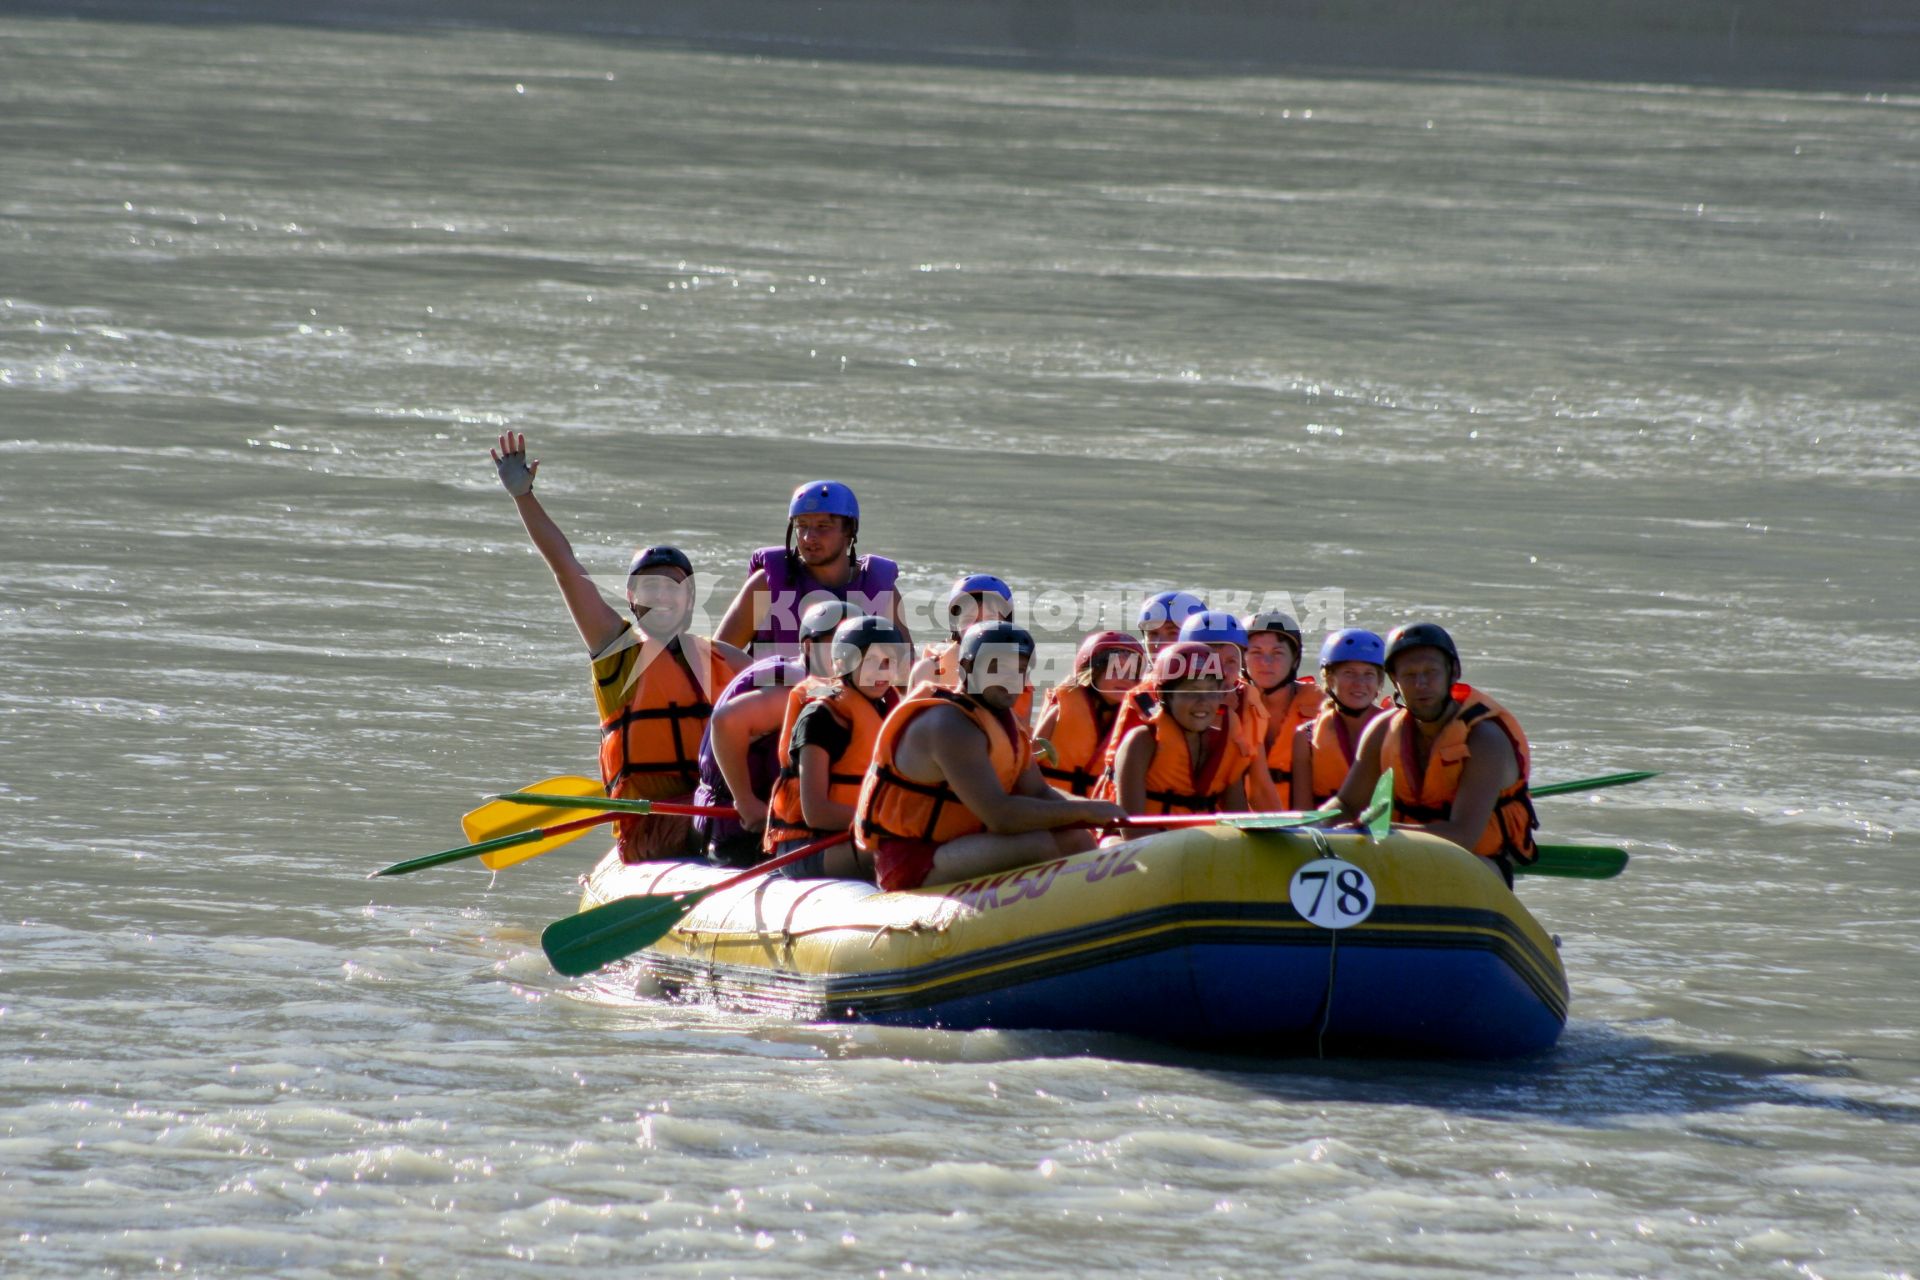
(763, 755)
(792, 589)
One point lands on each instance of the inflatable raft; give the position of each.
(1274, 941)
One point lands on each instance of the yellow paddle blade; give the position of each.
(505, 818)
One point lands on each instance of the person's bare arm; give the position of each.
(1491, 769)
(1357, 791)
(1130, 766)
(1234, 798)
(956, 748)
(742, 618)
(736, 727)
(1049, 721)
(817, 805)
(1300, 783)
(900, 616)
(736, 660)
(596, 620)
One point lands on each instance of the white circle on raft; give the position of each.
(1332, 893)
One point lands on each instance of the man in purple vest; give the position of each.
(819, 562)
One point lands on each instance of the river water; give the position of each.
(1616, 380)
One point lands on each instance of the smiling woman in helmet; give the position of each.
(1352, 670)
(820, 561)
(654, 681)
(1189, 757)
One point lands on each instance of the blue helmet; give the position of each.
(1215, 626)
(959, 615)
(1353, 645)
(824, 497)
(982, 634)
(1170, 606)
(979, 584)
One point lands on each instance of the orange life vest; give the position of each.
(946, 674)
(1172, 784)
(786, 817)
(1289, 707)
(650, 750)
(1333, 737)
(1429, 798)
(898, 807)
(1080, 733)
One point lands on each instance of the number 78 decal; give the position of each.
(1332, 893)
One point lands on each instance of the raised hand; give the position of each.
(510, 460)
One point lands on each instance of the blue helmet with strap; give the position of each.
(1169, 606)
(1214, 626)
(824, 497)
(1354, 644)
(980, 585)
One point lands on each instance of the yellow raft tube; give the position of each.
(1281, 941)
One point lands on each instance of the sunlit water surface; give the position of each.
(1615, 380)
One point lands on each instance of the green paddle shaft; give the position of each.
(605, 805)
(1593, 784)
(597, 937)
(488, 846)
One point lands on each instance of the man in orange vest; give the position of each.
(954, 791)
(654, 681)
(1460, 760)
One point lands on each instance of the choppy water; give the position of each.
(1616, 380)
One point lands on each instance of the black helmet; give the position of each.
(852, 639)
(1422, 635)
(657, 556)
(981, 634)
(1280, 624)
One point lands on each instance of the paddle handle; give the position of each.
(792, 856)
(639, 807)
(466, 851)
(1593, 784)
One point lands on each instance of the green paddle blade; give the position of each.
(1593, 784)
(1280, 821)
(1577, 862)
(1377, 817)
(599, 803)
(613, 931)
